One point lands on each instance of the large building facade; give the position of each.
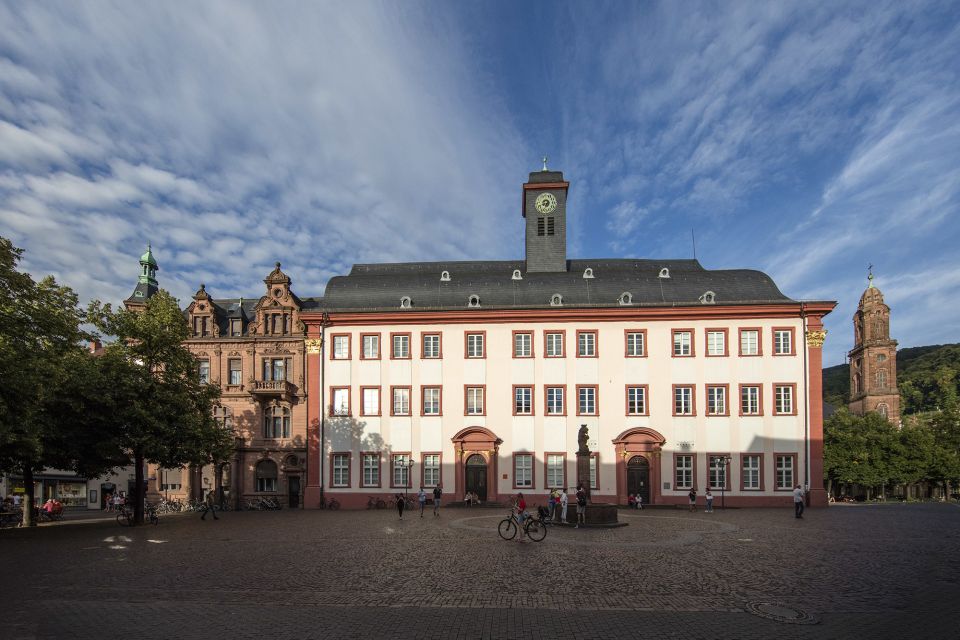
(873, 359)
(477, 376)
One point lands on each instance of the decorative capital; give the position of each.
(313, 345)
(815, 338)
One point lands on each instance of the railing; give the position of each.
(272, 387)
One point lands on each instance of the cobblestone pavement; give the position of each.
(856, 572)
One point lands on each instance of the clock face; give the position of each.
(546, 203)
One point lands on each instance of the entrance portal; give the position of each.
(476, 476)
(293, 492)
(638, 478)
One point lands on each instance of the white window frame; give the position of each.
(783, 342)
(523, 401)
(475, 403)
(431, 469)
(371, 469)
(682, 343)
(203, 371)
(430, 343)
(587, 344)
(785, 471)
(750, 400)
(401, 473)
(684, 471)
(555, 401)
(716, 343)
(636, 401)
(370, 401)
(554, 346)
(340, 402)
(750, 464)
(523, 470)
(683, 401)
(431, 401)
(555, 471)
(401, 347)
(716, 400)
(716, 472)
(341, 347)
(783, 399)
(522, 345)
(341, 470)
(475, 345)
(636, 344)
(587, 397)
(371, 346)
(403, 395)
(749, 342)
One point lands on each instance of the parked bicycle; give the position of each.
(535, 527)
(376, 502)
(11, 518)
(333, 504)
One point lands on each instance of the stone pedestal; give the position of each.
(598, 514)
(583, 472)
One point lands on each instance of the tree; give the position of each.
(163, 413)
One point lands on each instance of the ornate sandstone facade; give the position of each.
(873, 359)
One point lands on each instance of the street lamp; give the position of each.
(409, 477)
(723, 487)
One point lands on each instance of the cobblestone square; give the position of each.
(847, 572)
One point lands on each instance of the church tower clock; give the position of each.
(545, 210)
(873, 359)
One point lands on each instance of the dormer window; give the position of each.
(626, 298)
(556, 300)
(516, 275)
(474, 301)
(405, 302)
(588, 273)
(708, 297)
(664, 273)
(445, 276)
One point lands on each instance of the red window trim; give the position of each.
(730, 467)
(796, 471)
(409, 345)
(423, 469)
(646, 399)
(394, 454)
(563, 342)
(423, 390)
(596, 343)
(740, 352)
(409, 395)
(475, 386)
(726, 403)
(759, 387)
(693, 342)
(379, 401)
(349, 455)
(626, 350)
(533, 399)
(793, 341)
(566, 399)
(743, 475)
(513, 344)
(465, 349)
(379, 345)
(726, 341)
(793, 398)
(333, 339)
(693, 400)
(533, 470)
(596, 398)
(546, 455)
(349, 412)
(379, 467)
(439, 355)
(693, 471)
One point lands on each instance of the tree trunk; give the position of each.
(139, 488)
(28, 498)
(829, 487)
(217, 483)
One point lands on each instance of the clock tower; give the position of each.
(873, 359)
(545, 210)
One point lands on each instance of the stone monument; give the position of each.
(597, 514)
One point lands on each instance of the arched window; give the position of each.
(516, 275)
(883, 410)
(276, 422)
(708, 297)
(445, 276)
(266, 476)
(405, 302)
(474, 301)
(588, 273)
(856, 383)
(626, 298)
(664, 273)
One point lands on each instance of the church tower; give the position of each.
(545, 210)
(873, 359)
(146, 282)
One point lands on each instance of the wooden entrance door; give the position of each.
(476, 476)
(638, 477)
(293, 492)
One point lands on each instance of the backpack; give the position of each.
(581, 499)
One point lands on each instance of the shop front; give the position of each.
(69, 490)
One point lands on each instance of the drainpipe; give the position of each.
(324, 321)
(806, 412)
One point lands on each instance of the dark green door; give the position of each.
(638, 477)
(476, 480)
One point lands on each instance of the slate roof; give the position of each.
(226, 309)
(145, 289)
(379, 287)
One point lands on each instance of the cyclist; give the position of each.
(520, 506)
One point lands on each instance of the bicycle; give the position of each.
(534, 528)
(333, 504)
(373, 502)
(125, 516)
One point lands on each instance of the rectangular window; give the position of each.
(234, 327)
(594, 473)
(431, 469)
(684, 471)
(783, 399)
(401, 346)
(785, 466)
(553, 344)
(431, 401)
(275, 369)
(401, 401)
(783, 342)
(716, 342)
(586, 344)
(523, 470)
(751, 472)
(717, 478)
(522, 345)
(235, 369)
(266, 485)
(371, 469)
(203, 371)
(475, 345)
(371, 346)
(474, 402)
(340, 401)
(555, 401)
(586, 400)
(204, 324)
(749, 400)
(401, 470)
(683, 401)
(717, 400)
(431, 345)
(555, 469)
(637, 401)
(636, 344)
(749, 342)
(522, 401)
(341, 469)
(371, 401)
(682, 343)
(341, 347)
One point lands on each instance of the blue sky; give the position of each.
(803, 139)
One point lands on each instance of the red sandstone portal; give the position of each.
(643, 442)
(476, 441)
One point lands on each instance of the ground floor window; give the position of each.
(266, 473)
(431, 469)
(718, 472)
(555, 468)
(751, 472)
(523, 470)
(371, 470)
(401, 471)
(785, 465)
(684, 469)
(341, 469)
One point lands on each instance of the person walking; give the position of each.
(437, 494)
(422, 499)
(581, 506)
(563, 505)
(208, 502)
(639, 502)
(798, 502)
(520, 506)
(401, 503)
(693, 499)
(552, 502)
(709, 497)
